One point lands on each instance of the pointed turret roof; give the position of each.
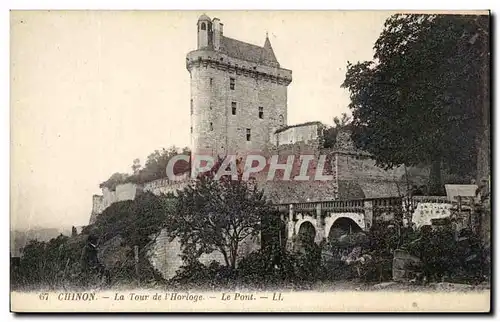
(268, 52)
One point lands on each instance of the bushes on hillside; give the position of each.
(133, 223)
(49, 264)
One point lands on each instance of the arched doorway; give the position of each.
(305, 236)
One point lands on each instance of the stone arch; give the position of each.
(306, 235)
(342, 226)
(331, 219)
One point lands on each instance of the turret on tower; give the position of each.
(204, 31)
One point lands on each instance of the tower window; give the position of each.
(261, 112)
(211, 126)
(203, 26)
(233, 108)
(191, 107)
(249, 135)
(211, 81)
(231, 83)
(191, 129)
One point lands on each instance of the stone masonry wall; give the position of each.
(165, 254)
(304, 133)
(97, 207)
(164, 186)
(300, 141)
(122, 192)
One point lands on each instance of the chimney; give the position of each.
(217, 33)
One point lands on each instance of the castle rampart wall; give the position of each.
(165, 186)
(165, 255)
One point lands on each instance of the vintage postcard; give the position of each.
(250, 161)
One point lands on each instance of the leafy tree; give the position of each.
(136, 220)
(330, 132)
(155, 168)
(420, 99)
(217, 215)
(136, 166)
(45, 263)
(114, 180)
(344, 120)
(156, 164)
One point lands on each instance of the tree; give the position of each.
(137, 221)
(419, 100)
(115, 179)
(217, 215)
(344, 120)
(156, 164)
(136, 166)
(330, 132)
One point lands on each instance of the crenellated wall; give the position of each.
(129, 191)
(165, 186)
(122, 192)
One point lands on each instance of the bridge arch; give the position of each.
(344, 223)
(306, 234)
(343, 226)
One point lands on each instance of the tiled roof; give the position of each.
(249, 52)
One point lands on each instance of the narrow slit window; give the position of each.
(231, 83)
(211, 81)
(261, 112)
(233, 108)
(249, 135)
(211, 126)
(191, 107)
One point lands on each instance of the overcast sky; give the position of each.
(91, 91)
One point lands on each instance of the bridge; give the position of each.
(316, 221)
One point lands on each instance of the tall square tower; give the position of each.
(238, 93)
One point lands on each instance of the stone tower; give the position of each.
(238, 93)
